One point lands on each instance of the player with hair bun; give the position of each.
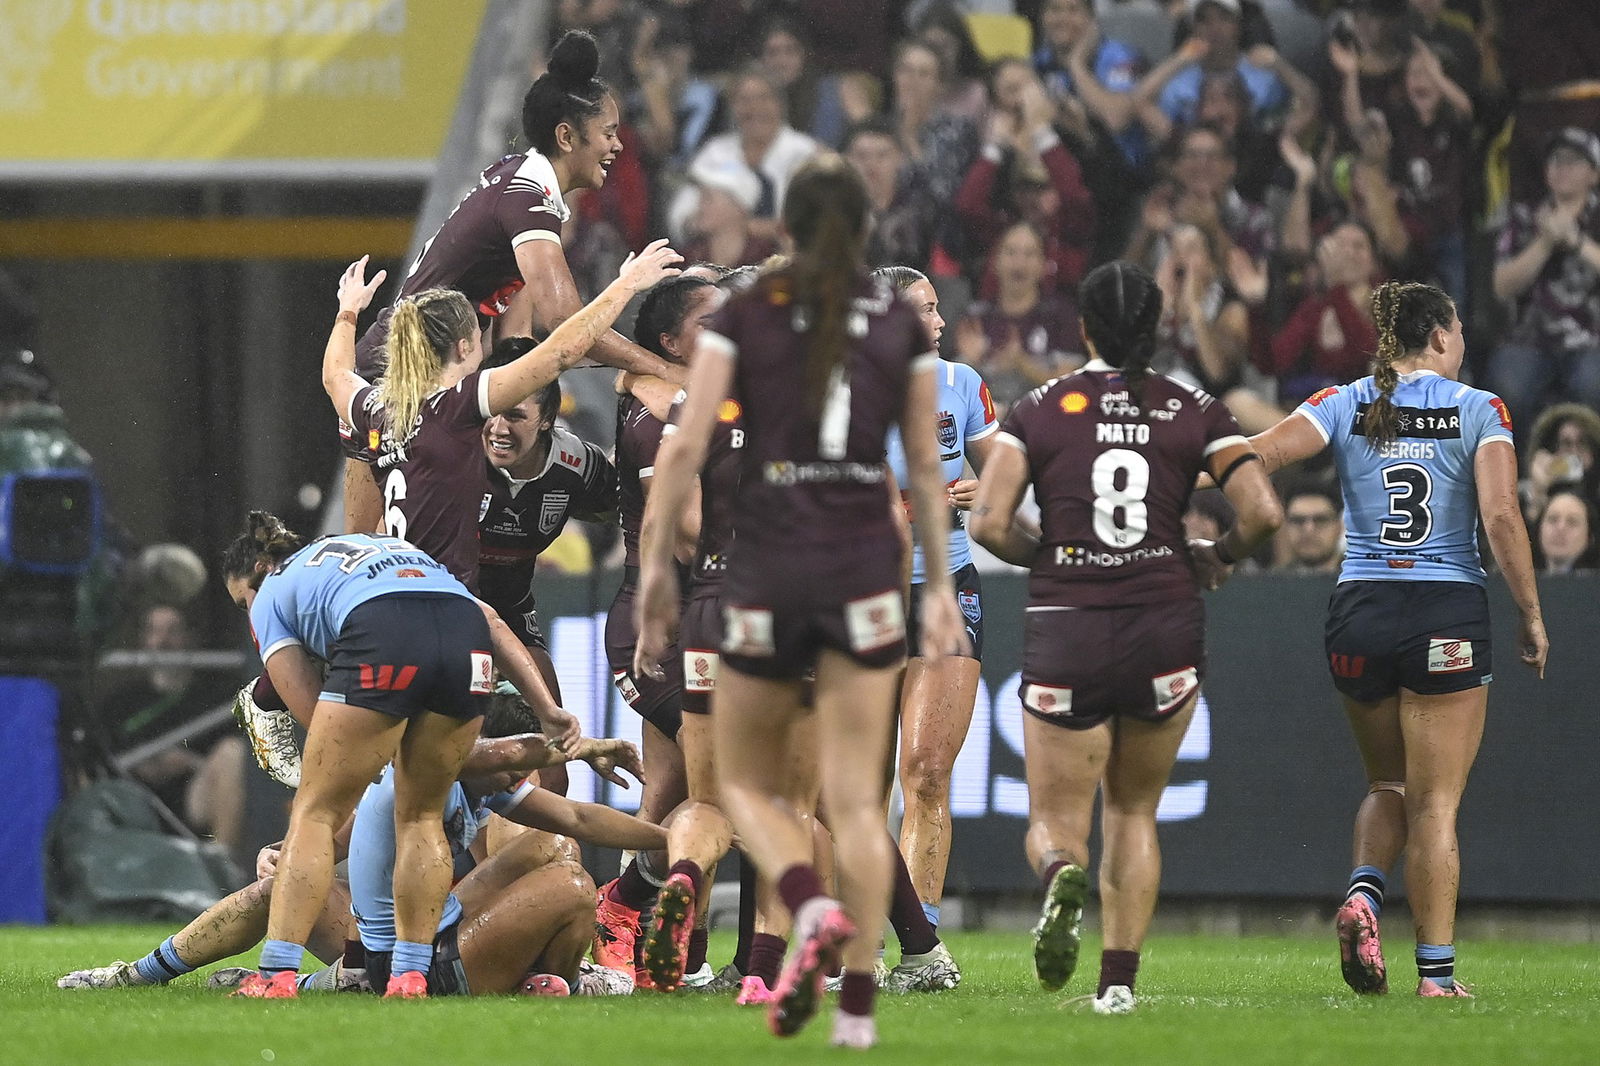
(501, 245)
(821, 361)
(1422, 458)
(1114, 651)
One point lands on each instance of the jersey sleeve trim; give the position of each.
(535, 235)
(1224, 442)
(350, 407)
(925, 361)
(1322, 430)
(1497, 435)
(502, 802)
(985, 433)
(1008, 438)
(648, 471)
(483, 395)
(716, 342)
(276, 646)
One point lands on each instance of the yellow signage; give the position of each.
(229, 81)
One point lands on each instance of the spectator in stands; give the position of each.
(201, 777)
(1313, 531)
(1203, 336)
(1428, 162)
(761, 142)
(943, 28)
(1565, 535)
(719, 230)
(1075, 61)
(674, 109)
(1362, 180)
(1549, 266)
(1330, 338)
(1367, 51)
(901, 219)
(1025, 173)
(939, 146)
(1170, 93)
(1201, 194)
(1565, 443)
(1449, 35)
(1023, 337)
(812, 99)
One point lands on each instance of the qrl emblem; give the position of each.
(947, 430)
(970, 605)
(552, 511)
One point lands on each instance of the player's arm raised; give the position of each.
(571, 340)
(339, 377)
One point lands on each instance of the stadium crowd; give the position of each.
(1244, 213)
(1271, 161)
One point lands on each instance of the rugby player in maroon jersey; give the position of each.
(424, 422)
(501, 245)
(1114, 646)
(822, 362)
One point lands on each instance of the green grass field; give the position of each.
(1203, 1000)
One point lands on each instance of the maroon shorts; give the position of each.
(781, 643)
(657, 702)
(700, 637)
(1084, 665)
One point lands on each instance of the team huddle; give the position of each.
(793, 475)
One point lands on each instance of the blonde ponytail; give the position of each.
(422, 330)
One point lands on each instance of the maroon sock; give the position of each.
(631, 889)
(698, 939)
(747, 914)
(857, 993)
(691, 870)
(1050, 872)
(766, 957)
(906, 916)
(798, 886)
(1117, 968)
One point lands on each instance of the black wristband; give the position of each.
(1222, 479)
(1223, 555)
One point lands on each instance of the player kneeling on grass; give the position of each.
(509, 899)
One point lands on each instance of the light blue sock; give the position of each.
(932, 912)
(280, 955)
(162, 964)
(409, 955)
(1367, 880)
(1437, 962)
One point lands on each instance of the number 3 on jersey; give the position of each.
(1410, 520)
(394, 490)
(1121, 518)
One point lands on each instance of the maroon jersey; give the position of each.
(1113, 479)
(812, 500)
(433, 476)
(719, 487)
(522, 518)
(475, 251)
(638, 440)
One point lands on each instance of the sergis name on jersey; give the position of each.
(1408, 449)
(1073, 555)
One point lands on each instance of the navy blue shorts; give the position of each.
(405, 653)
(1430, 637)
(969, 597)
(447, 976)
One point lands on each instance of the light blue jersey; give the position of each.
(1411, 507)
(965, 414)
(371, 861)
(306, 600)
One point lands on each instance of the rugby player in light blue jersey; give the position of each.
(936, 700)
(1420, 457)
(410, 675)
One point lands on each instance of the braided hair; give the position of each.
(1406, 315)
(1120, 304)
(568, 92)
(266, 540)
